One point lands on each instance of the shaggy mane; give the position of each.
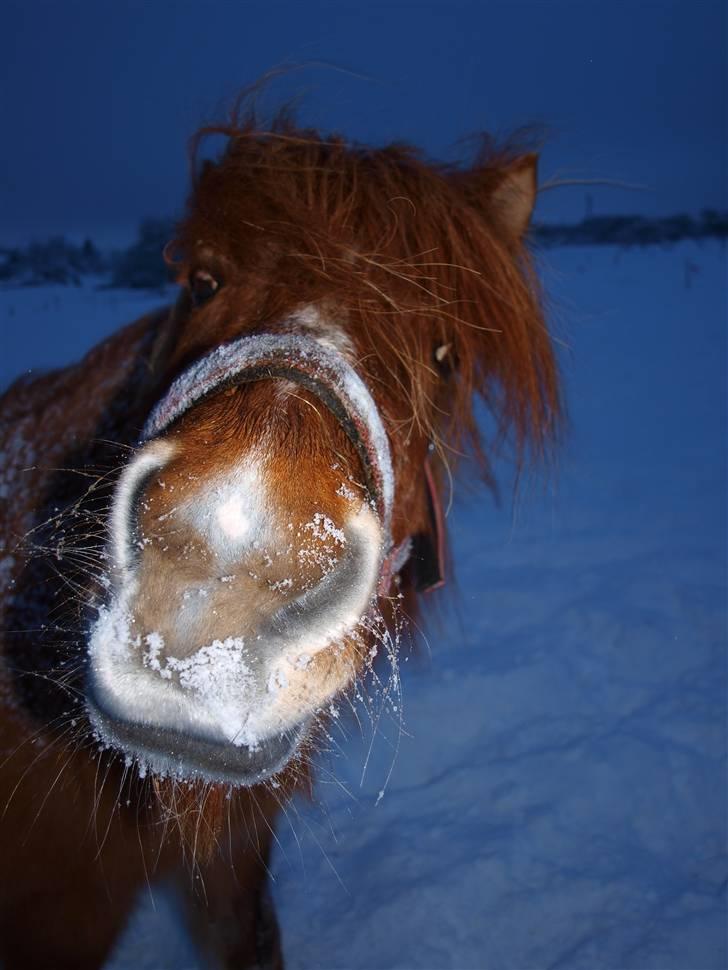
(411, 253)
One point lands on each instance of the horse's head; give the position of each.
(340, 307)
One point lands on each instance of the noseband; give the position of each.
(325, 373)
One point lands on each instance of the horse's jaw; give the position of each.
(167, 753)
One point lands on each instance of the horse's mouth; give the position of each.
(169, 753)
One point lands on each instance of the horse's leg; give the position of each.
(61, 905)
(238, 929)
(71, 860)
(231, 911)
(63, 926)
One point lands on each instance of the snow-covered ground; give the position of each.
(51, 326)
(558, 799)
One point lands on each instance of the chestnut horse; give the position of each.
(213, 521)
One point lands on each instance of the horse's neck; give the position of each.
(49, 423)
(45, 419)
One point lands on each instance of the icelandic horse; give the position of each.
(210, 523)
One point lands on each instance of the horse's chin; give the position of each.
(167, 753)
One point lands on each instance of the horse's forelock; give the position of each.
(413, 254)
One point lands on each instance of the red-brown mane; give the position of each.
(412, 254)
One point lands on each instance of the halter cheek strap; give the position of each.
(428, 549)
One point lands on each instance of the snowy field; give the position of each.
(558, 799)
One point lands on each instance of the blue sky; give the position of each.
(98, 98)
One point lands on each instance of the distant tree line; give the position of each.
(632, 230)
(141, 266)
(53, 261)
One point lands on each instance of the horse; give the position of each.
(216, 519)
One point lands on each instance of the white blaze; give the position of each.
(232, 519)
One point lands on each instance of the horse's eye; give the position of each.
(203, 287)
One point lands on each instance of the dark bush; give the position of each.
(142, 266)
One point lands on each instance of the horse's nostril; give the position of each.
(333, 606)
(127, 540)
(135, 502)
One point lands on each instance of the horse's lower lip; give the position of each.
(169, 753)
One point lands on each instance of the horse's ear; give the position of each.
(514, 195)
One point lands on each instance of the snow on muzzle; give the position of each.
(201, 663)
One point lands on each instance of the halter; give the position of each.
(327, 374)
(324, 372)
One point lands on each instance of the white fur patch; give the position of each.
(232, 511)
(327, 333)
